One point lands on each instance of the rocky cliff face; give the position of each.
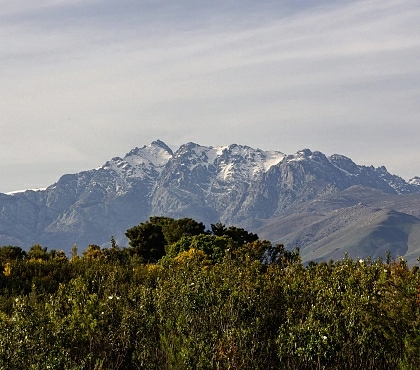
(233, 184)
(212, 183)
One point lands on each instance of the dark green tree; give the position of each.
(238, 235)
(173, 230)
(147, 241)
(115, 253)
(150, 239)
(10, 253)
(280, 255)
(37, 252)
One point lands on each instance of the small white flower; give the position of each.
(110, 297)
(361, 261)
(324, 337)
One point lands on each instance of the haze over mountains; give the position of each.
(325, 205)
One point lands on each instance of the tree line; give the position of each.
(183, 297)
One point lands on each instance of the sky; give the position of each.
(83, 81)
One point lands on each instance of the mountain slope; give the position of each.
(87, 207)
(358, 230)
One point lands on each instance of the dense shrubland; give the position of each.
(180, 297)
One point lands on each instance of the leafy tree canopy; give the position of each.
(239, 235)
(212, 245)
(149, 239)
(10, 253)
(37, 252)
(173, 230)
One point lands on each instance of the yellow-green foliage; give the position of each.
(226, 309)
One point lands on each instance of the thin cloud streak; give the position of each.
(85, 81)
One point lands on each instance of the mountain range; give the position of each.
(327, 205)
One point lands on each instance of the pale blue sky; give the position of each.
(87, 80)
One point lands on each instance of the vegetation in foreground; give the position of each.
(180, 297)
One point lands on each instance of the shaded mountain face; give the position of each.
(359, 230)
(235, 184)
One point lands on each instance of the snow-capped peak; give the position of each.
(140, 162)
(230, 162)
(157, 153)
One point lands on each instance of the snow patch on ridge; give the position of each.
(235, 161)
(140, 162)
(22, 191)
(414, 181)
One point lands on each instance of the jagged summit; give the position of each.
(162, 145)
(235, 164)
(227, 162)
(141, 162)
(344, 163)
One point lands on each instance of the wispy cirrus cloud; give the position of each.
(86, 80)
